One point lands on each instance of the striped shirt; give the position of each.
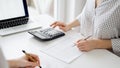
(102, 22)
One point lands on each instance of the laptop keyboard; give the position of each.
(21, 28)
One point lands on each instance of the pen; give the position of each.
(84, 39)
(30, 57)
(87, 37)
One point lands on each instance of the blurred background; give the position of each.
(62, 10)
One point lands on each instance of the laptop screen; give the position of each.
(12, 9)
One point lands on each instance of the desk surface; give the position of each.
(13, 44)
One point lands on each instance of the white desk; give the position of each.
(13, 44)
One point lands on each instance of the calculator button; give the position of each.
(47, 34)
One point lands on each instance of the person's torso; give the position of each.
(102, 22)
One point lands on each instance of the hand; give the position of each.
(90, 44)
(86, 45)
(24, 62)
(61, 25)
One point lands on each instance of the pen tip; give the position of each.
(40, 66)
(23, 51)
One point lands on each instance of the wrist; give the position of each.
(98, 44)
(69, 26)
(103, 44)
(73, 24)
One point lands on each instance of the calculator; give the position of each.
(47, 34)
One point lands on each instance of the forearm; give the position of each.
(104, 44)
(74, 24)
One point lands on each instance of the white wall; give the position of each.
(79, 5)
(62, 10)
(59, 11)
(67, 10)
(70, 10)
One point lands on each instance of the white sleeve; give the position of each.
(116, 46)
(3, 62)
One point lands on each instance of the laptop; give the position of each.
(14, 17)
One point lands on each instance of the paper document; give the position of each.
(64, 49)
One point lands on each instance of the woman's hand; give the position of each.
(90, 44)
(61, 25)
(24, 62)
(86, 45)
